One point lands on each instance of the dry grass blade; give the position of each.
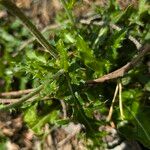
(22, 99)
(120, 101)
(112, 104)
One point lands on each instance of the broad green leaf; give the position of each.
(138, 127)
(33, 56)
(126, 80)
(84, 49)
(35, 121)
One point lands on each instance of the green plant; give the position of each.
(78, 55)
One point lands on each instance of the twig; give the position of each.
(70, 136)
(123, 70)
(16, 93)
(112, 104)
(11, 100)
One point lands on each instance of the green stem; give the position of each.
(78, 105)
(32, 28)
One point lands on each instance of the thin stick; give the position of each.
(112, 104)
(123, 70)
(16, 93)
(120, 101)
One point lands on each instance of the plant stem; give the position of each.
(123, 70)
(22, 100)
(78, 105)
(26, 97)
(32, 28)
(16, 93)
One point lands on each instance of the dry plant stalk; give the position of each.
(123, 70)
(16, 93)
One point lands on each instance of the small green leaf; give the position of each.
(63, 55)
(62, 121)
(69, 37)
(87, 55)
(70, 3)
(33, 56)
(114, 43)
